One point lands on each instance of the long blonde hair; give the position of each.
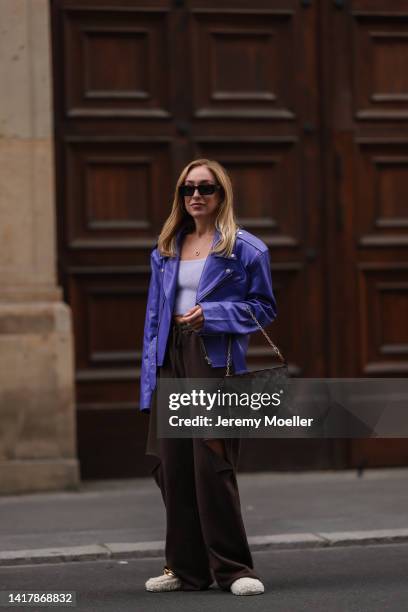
(225, 221)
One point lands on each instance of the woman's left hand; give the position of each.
(195, 317)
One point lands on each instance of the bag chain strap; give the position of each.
(274, 347)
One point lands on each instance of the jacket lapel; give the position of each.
(170, 270)
(215, 270)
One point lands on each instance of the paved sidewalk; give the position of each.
(125, 518)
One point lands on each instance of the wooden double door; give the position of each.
(305, 102)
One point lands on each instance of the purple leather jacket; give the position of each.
(228, 285)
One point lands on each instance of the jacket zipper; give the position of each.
(217, 285)
(208, 360)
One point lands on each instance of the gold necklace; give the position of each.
(198, 251)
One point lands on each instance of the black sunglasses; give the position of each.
(204, 189)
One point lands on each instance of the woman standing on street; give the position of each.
(207, 277)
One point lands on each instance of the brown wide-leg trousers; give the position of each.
(205, 535)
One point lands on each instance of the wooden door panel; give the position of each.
(113, 68)
(383, 319)
(382, 184)
(240, 62)
(380, 60)
(369, 210)
(107, 300)
(115, 188)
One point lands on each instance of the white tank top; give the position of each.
(189, 274)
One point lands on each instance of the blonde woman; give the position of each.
(205, 273)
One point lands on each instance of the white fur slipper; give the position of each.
(168, 581)
(247, 586)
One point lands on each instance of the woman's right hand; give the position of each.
(194, 317)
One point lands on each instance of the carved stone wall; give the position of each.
(37, 393)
